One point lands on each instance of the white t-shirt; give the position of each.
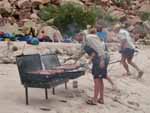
(124, 35)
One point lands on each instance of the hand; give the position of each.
(120, 51)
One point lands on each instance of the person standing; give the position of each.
(94, 48)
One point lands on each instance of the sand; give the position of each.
(131, 96)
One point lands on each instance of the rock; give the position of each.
(138, 28)
(11, 20)
(147, 24)
(49, 31)
(132, 20)
(17, 48)
(5, 6)
(147, 42)
(147, 36)
(112, 37)
(34, 16)
(45, 109)
(10, 28)
(7, 61)
(28, 24)
(24, 14)
(24, 4)
(40, 1)
(145, 8)
(130, 28)
(117, 13)
(72, 1)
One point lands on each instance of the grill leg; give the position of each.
(26, 93)
(66, 85)
(53, 91)
(46, 94)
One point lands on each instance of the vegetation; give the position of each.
(48, 12)
(122, 3)
(145, 16)
(69, 18)
(104, 17)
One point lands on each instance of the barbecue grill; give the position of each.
(71, 71)
(43, 71)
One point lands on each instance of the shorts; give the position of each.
(127, 52)
(98, 72)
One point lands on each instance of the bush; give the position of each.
(122, 3)
(104, 17)
(144, 16)
(48, 12)
(110, 19)
(69, 18)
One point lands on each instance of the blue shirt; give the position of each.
(102, 36)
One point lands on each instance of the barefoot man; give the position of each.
(127, 49)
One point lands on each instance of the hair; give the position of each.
(92, 31)
(79, 37)
(42, 31)
(99, 28)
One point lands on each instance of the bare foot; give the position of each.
(114, 87)
(126, 74)
(140, 74)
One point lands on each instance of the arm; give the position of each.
(122, 44)
(91, 57)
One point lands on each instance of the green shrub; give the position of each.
(69, 18)
(48, 12)
(122, 3)
(144, 16)
(109, 18)
(104, 17)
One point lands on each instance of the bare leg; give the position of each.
(96, 89)
(110, 80)
(135, 66)
(93, 101)
(125, 65)
(101, 87)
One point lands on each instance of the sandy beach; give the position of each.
(131, 96)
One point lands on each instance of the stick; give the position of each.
(23, 49)
(115, 62)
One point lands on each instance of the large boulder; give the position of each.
(23, 4)
(5, 7)
(116, 12)
(145, 8)
(34, 16)
(132, 20)
(40, 1)
(10, 28)
(147, 24)
(7, 54)
(71, 1)
(28, 24)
